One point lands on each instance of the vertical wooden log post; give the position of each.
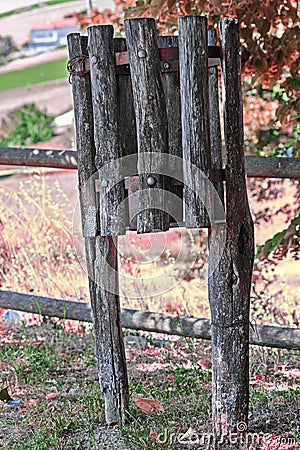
(84, 125)
(171, 86)
(106, 306)
(151, 121)
(193, 62)
(127, 129)
(230, 282)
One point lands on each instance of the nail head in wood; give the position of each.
(151, 181)
(94, 59)
(142, 53)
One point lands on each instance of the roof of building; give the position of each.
(56, 23)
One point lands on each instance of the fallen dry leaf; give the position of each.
(147, 405)
(32, 402)
(51, 396)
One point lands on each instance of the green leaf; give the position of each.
(279, 239)
(14, 172)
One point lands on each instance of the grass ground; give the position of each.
(32, 75)
(53, 375)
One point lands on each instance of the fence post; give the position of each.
(230, 282)
(151, 121)
(193, 65)
(93, 145)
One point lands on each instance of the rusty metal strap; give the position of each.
(80, 65)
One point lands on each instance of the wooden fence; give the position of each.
(263, 335)
(193, 327)
(168, 104)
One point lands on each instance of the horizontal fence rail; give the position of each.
(33, 157)
(256, 166)
(262, 335)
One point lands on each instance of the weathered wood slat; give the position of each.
(126, 121)
(126, 115)
(263, 335)
(106, 129)
(215, 125)
(83, 114)
(151, 122)
(230, 282)
(192, 42)
(171, 86)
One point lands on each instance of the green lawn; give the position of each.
(35, 6)
(33, 75)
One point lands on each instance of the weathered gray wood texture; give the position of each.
(257, 167)
(263, 335)
(100, 254)
(107, 319)
(106, 128)
(126, 122)
(171, 87)
(193, 64)
(151, 122)
(230, 282)
(83, 114)
(126, 114)
(214, 120)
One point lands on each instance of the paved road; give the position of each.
(53, 96)
(18, 26)
(6, 5)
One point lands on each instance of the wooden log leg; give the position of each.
(230, 282)
(109, 341)
(229, 291)
(101, 253)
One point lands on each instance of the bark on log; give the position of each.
(151, 123)
(100, 253)
(83, 114)
(262, 335)
(106, 129)
(193, 64)
(171, 86)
